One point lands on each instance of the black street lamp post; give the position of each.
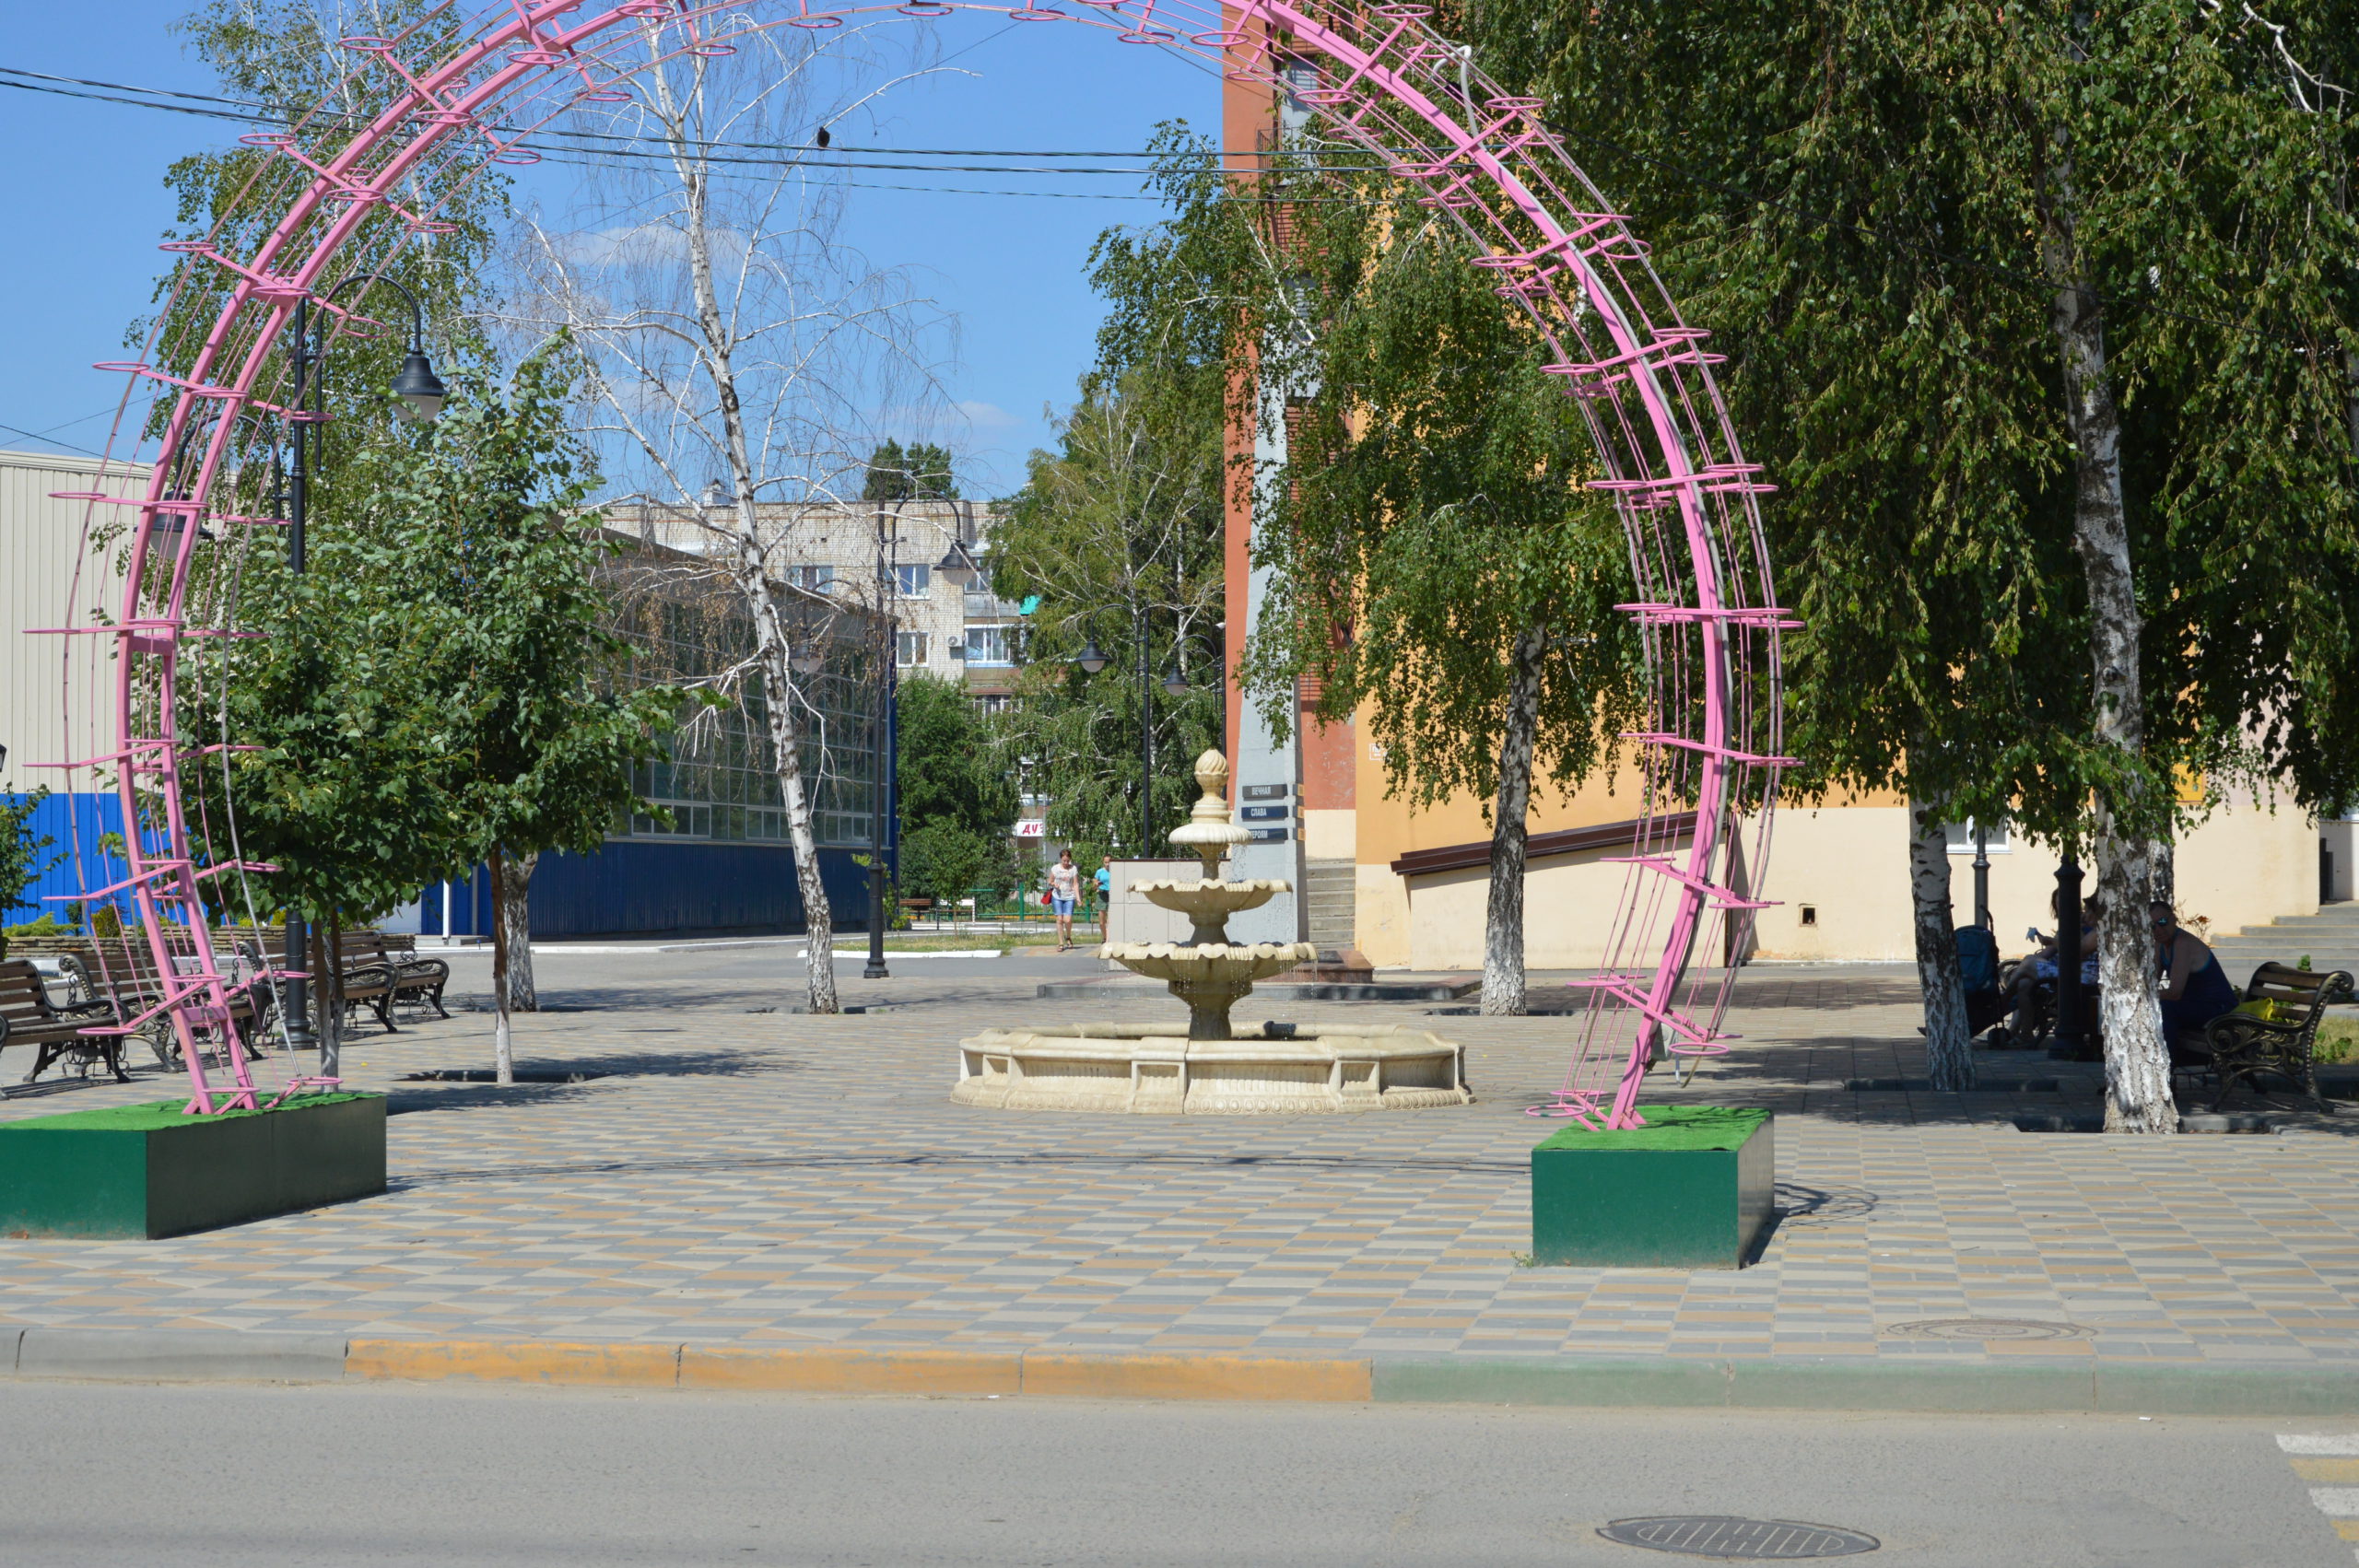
(421, 393)
(2067, 1043)
(882, 758)
(1981, 877)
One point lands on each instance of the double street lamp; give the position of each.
(1089, 661)
(421, 396)
(958, 568)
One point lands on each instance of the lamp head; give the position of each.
(956, 567)
(420, 390)
(1174, 683)
(1089, 658)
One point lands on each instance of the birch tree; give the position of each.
(2042, 319)
(1443, 571)
(739, 352)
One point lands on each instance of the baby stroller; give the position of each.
(1977, 971)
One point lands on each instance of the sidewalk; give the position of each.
(755, 1180)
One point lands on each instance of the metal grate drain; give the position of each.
(1986, 1329)
(1748, 1540)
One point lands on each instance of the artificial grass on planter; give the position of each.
(148, 1171)
(1671, 1127)
(1693, 1188)
(156, 1114)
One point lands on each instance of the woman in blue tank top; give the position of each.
(2195, 989)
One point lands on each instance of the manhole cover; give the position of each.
(1986, 1329)
(1750, 1540)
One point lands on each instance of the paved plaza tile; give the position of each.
(747, 1174)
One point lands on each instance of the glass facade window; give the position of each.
(991, 645)
(1961, 837)
(716, 781)
(909, 648)
(913, 582)
(819, 580)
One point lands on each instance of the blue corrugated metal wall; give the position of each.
(641, 887)
(631, 887)
(83, 816)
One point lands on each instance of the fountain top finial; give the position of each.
(1211, 773)
(1208, 833)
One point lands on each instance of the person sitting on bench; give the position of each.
(2195, 989)
(2039, 969)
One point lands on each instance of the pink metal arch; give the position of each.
(460, 93)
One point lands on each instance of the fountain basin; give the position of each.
(1209, 902)
(1266, 1070)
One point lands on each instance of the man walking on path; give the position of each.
(1104, 877)
(1064, 889)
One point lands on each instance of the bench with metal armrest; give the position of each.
(29, 1018)
(2275, 1028)
(415, 978)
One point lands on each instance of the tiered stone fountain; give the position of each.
(1214, 1067)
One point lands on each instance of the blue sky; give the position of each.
(86, 186)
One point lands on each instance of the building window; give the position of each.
(990, 644)
(912, 582)
(819, 580)
(1961, 836)
(909, 648)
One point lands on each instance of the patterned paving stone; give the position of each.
(768, 1177)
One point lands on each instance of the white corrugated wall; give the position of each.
(41, 544)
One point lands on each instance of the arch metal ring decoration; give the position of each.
(462, 96)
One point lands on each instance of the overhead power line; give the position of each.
(775, 154)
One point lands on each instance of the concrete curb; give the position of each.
(2058, 1384)
(152, 1355)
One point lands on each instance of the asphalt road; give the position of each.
(326, 1476)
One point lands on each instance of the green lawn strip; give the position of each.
(157, 1114)
(1669, 1128)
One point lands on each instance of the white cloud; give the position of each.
(986, 415)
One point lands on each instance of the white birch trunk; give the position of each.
(750, 571)
(1503, 973)
(1949, 1047)
(512, 918)
(2137, 1062)
(503, 1050)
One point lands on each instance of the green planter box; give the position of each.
(147, 1171)
(1694, 1188)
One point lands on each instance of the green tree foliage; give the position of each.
(1940, 245)
(284, 53)
(1119, 532)
(956, 793)
(541, 719)
(1119, 535)
(1431, 513)
(943, 862)
(951, 767)
(1437, 563)
(354, 790)
(915, 472)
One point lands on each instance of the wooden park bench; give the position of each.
(28, 1017)
(416, 980)
(122, 972)
(2274, 1028)
(378, 975)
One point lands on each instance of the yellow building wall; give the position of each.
(1848, 867)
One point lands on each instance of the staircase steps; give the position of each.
(1331, 903)
(2330, 939)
